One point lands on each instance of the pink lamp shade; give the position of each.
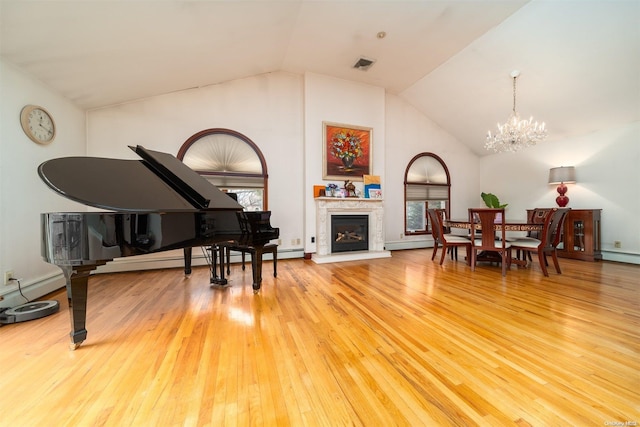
(562, 175)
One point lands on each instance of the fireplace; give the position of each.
(328, 207)
(349, 233)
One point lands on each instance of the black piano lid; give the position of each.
(160, 183)
(179, 177)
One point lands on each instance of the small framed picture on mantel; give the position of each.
(375, 193)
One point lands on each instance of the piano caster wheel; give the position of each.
(74, 345)
(256, 288)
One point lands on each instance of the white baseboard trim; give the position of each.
(415, 244)
(628, 258)
(174, 259)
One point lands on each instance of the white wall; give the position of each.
(410, 133)
(270, 110)
(399, 133)
(266, 108)
(327, 99)
(23, 195)
(608, 178)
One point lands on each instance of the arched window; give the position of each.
(231, 162)
(426, 185)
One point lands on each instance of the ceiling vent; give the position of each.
(364, 64)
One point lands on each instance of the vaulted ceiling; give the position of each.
(579, 60)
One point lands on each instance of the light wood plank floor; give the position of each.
(398, 341)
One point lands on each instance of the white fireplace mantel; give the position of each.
(328, 206)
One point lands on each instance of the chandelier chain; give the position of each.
(514, 94)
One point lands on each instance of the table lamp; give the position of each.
(562, 175)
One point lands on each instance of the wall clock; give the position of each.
(38, 124)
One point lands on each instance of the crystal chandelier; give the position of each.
(515, 133)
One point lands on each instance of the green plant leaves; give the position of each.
(491, 200)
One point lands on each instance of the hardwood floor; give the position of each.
(396, 341)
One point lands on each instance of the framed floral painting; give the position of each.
(347, 151)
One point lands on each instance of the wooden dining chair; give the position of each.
(435, 233)
(447, 240)
(550, 237)
(484, 239)
(452, 250)
(534, 216)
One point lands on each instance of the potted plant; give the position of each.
(492, 201)
(331, 190)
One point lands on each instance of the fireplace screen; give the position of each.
(349, 233)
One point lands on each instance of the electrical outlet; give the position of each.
(617, 244)
(313, 239)
(8, 275)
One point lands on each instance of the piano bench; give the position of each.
(271, 248)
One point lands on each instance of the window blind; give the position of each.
(427, 192)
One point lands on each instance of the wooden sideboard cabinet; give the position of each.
(581, 235)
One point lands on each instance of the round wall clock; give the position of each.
(38, 124)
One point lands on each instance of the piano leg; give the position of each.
(77, 278)
(256, 267)
(187, 261)
(223, 281)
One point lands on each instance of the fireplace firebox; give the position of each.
(349, 233)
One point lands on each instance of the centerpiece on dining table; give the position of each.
(492, 201)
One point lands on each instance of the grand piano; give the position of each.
(150, 205)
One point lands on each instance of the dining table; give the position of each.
(510, 225)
